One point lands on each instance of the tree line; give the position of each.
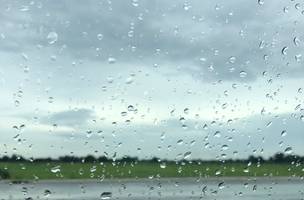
(276, 158)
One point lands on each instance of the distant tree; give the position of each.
(90, 159)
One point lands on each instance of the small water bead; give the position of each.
(283, 133)
(262, 44)
(243, 74)
(232, 59)
(17, 103)
(296, 41)
(180, 142)
(298, 57)
(129, 80)
(26, 69)
(163, 165)
(52, 37)
(131, 108)
(99, 36)
(261, 2)
(111, 60)
(123, 114)
(105, 195)
(51, 99)
(221, 185)
(225, 147)
(288, 150)
(246, 170)
(284, 51)
(182, 120)
(186, 6)
(217, 134)
(56, 169)
(47, 193)
(218, 172)
(135, 3)
(187, 155)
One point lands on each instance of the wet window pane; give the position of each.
(151, 99)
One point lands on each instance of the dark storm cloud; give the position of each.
(209, 40)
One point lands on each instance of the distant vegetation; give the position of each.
(277, 158)
(69, 167)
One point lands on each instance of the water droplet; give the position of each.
(225, 147)
(89, 133)
(186, 111)
(52, 37)
(51, 99)
(262, 44)
(47, 193)
(261, 2)
(217, 134)
(163, 165)
(184, 126)
(284, 50)
(106, 195)
(123, 114)
(218, 172)
(297, 6)
(186, 6)
(26, 69)
(93, 169)
(187, 155)
(182, 120)
(269, 124)
(180, 142)
(24, 8)
(17, 103)
(131, 108)
(99, 36)
(246, 170)
(56, 169)
(283, 133)
(296, 41)
(298, 57)
(205, 126)
(232, 59)
(110, 79)
(135, 3)
(221, 185)
(111, 60)
(129, 80)
(288, 150)
(217, 7)
(243, 74)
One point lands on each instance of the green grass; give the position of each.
(29, 171)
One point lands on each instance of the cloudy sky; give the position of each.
(219, 79)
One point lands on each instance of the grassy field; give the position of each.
(29, 171)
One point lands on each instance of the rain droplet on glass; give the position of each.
(52, 37)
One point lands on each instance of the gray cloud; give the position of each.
(72, 118)
(210, 41)
(207, 30)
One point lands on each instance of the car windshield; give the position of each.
(151, 99)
